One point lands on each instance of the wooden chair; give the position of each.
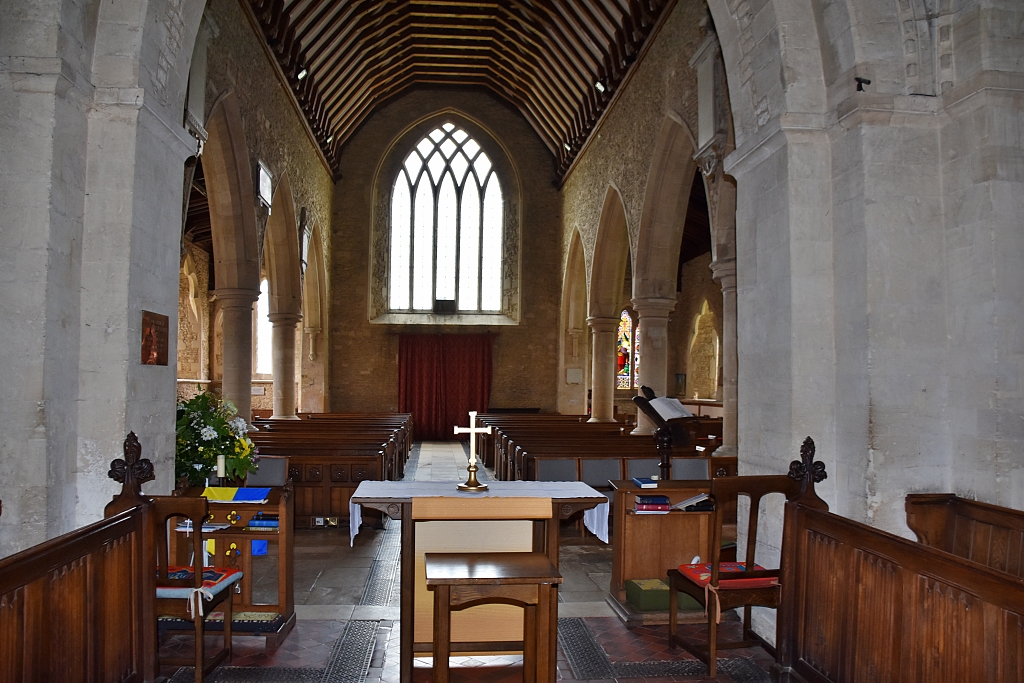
(184, 593)
(461, 580)
(720, 585)
(749, 584)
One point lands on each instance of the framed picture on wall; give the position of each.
(154, 338)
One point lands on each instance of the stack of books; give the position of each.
(661, 505)
(264, 522)
(652, 505)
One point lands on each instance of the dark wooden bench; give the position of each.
(77, 607)
(860, 604)
(330, 453)
(990, 535)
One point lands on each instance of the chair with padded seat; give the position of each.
(720, 585)
(181, 592)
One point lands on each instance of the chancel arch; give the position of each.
(574, 361)
(283, 271)
(233, 229)
(607, 274)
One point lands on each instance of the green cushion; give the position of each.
(651, 595)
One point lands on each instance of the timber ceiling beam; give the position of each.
(558, 62)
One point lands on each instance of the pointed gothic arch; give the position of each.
(312, 385)
(611, 257)
(233, 230)
(607, 276)
(574, 359)
(281, 252)
(664, 211)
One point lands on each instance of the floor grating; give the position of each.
(351, 655)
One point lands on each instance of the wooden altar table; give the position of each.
(395, 499)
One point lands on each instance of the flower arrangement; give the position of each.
(209, 427)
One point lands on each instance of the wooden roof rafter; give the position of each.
(558, 62)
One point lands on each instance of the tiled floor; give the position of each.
(330, 578)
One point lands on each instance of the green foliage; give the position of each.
(207, 427)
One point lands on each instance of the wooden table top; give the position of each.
(489, 568)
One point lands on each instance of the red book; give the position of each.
(653, 506)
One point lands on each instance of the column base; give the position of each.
(284, 417)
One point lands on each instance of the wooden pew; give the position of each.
(330, 453)
(80, 606)
(987, 534)
(860, 604)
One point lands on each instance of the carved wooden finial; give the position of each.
(131, 472)
(809, 472)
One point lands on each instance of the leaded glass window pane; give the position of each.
(490, 277)
(423, 247)
(469, 252)
(447, 204)
(401, 220)
(623, 378)
(447, 226)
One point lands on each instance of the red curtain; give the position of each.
(441, 377)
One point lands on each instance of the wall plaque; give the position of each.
(154, 338)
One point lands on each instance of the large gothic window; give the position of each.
(446, 228)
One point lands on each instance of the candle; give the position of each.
(221, 469)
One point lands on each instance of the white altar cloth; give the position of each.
(596, 519)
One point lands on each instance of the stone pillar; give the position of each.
(652, 318)
(236, 384)
(724, 273)
(284, 364)
(603, 369)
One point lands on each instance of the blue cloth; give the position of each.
(259, 547)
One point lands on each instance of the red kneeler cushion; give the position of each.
(700, 574)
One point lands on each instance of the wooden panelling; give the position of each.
(860, 604)
(78, 607)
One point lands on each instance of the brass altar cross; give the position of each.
(472, 484)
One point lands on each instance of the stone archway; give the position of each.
(281, 256)
(574, 378)
(661, 232)
(611, 256)
(312, 387)
(235, 247)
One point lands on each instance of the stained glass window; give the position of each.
(447, 221)
(636, 357)
(623, 374)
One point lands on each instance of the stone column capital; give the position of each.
(602, 324)
(284, 318)
(653, 306)
(235, 297)
(724, 273)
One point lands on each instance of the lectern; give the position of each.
(670, 417)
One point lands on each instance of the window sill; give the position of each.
(436, 319)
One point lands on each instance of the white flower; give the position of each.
(238, 427)
(208, 433)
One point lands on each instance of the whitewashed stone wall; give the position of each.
(90, 205)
